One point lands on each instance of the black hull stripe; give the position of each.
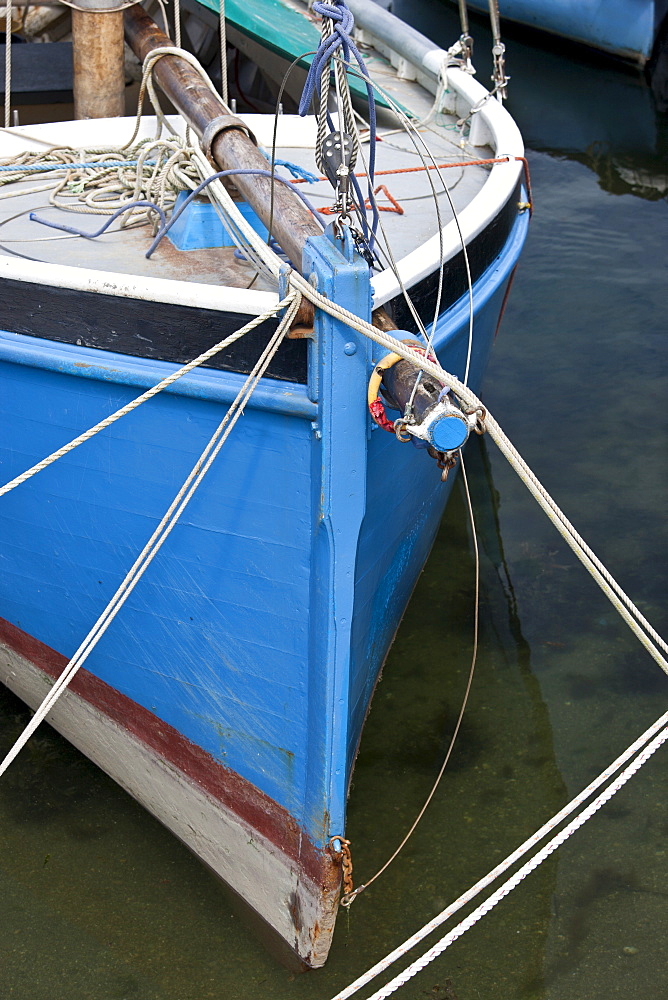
(166, 332)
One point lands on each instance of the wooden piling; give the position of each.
(99, 64)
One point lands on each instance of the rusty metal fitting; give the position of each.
(400, 430)
(337, 853)
(300, 333)
(303, 323)
(481, 414)
(223, 123)
(344, 857)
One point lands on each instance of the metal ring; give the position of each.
(400, 430)
(223, 123)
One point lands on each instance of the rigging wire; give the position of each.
(162, 531)
(348, 898)
(222, 39)
(409, 127)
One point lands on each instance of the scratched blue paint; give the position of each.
(626, 28)
(260, 628)
(201, 383)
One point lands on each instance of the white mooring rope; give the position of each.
(650, 740)
(134, 403)
(159, 536)
(615, 594)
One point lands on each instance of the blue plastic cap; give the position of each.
(449, 433)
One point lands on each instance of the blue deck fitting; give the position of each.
(199, 227)
(449, 433)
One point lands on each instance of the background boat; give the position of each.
(627, 29)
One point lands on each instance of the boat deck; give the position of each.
(408, 213)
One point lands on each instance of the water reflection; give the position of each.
(570, 102)
(98, 901)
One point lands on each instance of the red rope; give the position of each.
(377, 407)
(377, 411)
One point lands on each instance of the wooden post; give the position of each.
(231, 149)
(99, 64)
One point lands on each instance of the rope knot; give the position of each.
(340, 15)
(342, 24)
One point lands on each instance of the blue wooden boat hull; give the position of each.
(229, 694)
(624, 28)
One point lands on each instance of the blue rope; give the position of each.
(295, 169)
(91, 236)
(343, 23)
(41, 167)
(166, 226)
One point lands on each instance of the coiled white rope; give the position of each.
(159, 536)
(158, 169)
(651, 740)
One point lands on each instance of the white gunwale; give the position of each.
(495, 124)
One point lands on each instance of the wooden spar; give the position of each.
(292, 223)
(98, 63)
(233, 148)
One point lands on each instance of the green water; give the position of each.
(98, 902)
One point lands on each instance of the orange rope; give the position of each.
(445, 166)
(394, 205)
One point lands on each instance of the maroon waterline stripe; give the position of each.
(237, 794)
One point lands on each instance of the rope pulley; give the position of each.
(336, 149)
(337, 160)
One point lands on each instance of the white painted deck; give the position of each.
(123, 251)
